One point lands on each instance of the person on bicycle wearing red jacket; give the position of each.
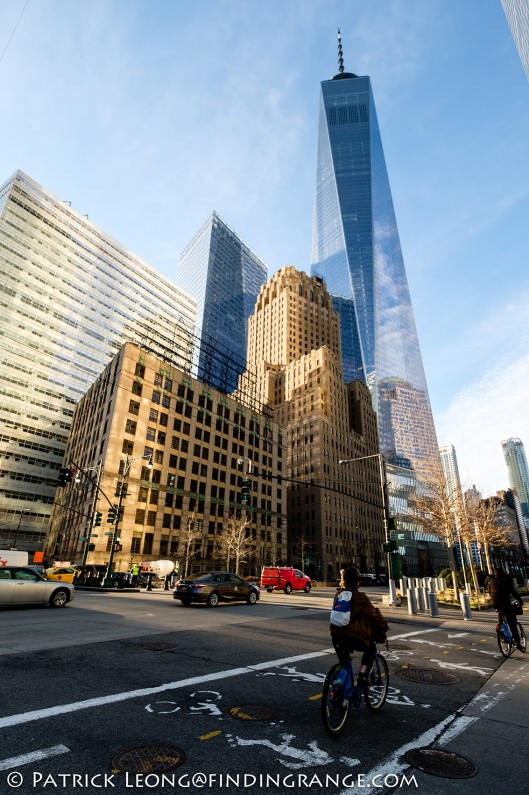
(503, 594)
(366, 625)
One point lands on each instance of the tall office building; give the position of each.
(335, 511)
(356, 250)
(224, 276)
(450, 468)
(200, 444)
(516, 460)
(517, 13)
(70, 296)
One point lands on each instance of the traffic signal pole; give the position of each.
(92, 520)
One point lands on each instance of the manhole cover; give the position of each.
(158, 646)
(148, 759)
(252, 712)
(429, 676)
(399, 646)
(444, 764)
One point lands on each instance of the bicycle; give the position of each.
(505, 639)
(340, 692)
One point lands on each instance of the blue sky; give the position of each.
(147, 115)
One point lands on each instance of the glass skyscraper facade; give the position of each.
(70, 297)
(224, 276)
(356, 250)
(517, 13)
(516, 460)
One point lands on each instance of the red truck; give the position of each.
(284, 578)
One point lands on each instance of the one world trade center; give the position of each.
(356, 251)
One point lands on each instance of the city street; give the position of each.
(232, 691)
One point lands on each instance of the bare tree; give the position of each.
(484, 526)
(187, 541)
(235, 543)
(439, 510)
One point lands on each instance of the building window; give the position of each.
(140, 516)
(134, 407)
(151, 519)
(130, 427)
(136, 388)
(128, 447)
(150, 435)
(136, 543)
(147, 543)
(153, 415)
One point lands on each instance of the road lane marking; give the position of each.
(101, 701)
(33, 756)
(210, 735)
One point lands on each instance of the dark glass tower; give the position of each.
(224, 276)
(356, 250)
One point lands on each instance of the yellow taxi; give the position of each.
(64, 574)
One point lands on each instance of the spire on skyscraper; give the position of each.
(340, 53)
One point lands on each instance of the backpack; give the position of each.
(341, 609)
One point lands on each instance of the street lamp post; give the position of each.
(384, 487)
(107, 582)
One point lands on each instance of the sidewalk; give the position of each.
(492, 731)
(487, 737)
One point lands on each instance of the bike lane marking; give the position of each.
(101, 701)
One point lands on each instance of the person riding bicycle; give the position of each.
(502, 593)
(366, 624)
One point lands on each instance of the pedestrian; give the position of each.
(506, 599)
(356, 624)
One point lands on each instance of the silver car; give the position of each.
(20, 585)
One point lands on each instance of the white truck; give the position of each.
(12, 557)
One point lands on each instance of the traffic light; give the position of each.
(245, 490)
(97, 519)
(112, 514)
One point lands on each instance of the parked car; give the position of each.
(284, 578)
(20, 585)
(213, 587)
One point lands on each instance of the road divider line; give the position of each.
(102, 701)
(33, 756)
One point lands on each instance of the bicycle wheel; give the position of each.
(335, 707)
(376, 691)
(523, 639)
(506, 647)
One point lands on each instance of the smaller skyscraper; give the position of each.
(516, 460)
(224, 276)
(450, 468)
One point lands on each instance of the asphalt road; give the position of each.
(233, 693)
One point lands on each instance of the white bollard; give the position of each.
(392, 593)
(403, 586)
(465, 606)
(412, 602)
(420, 599)
(434, 609)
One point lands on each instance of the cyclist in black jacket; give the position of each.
(502, 592)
